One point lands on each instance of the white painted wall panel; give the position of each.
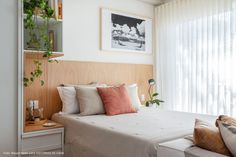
(81, 30)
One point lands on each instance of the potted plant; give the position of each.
(38, 35)
(153, 100)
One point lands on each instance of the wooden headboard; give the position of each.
(77, 72)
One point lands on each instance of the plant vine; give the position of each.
(38, 35)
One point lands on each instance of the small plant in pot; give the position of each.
(38, 35)
(153, 100)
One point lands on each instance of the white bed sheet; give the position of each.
(126, 135)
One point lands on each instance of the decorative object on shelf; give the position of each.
(126, 32)
(152, 95)
(59, 9)
(35, 114)
(52, 39)
(38, 35)
(49, 124)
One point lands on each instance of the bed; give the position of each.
(127, 135)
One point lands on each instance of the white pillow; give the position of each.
(228, 133)
(68, 98)
(133, 94)
(89, 100)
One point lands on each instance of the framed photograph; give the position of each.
(125, 32)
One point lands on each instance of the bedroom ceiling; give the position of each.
(155, 2)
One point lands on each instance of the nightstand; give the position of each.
(38, 140)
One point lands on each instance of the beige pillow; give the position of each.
(90, 102)
(208, 137)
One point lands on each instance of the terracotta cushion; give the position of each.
(116, 100)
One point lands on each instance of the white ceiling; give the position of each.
(155, 2)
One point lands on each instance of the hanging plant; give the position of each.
(38, 35)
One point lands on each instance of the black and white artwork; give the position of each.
(127, 33)
(124, 32)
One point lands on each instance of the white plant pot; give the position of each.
(153, 105)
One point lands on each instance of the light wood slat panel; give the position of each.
(77, 72)
(143, 74)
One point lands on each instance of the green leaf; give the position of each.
(25, 84)
(42, 82)
(147, 103)
(155, 94)
(26, 79)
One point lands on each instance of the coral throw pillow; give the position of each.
(116, 100)
(208, 137)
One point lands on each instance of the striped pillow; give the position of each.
(228, 133)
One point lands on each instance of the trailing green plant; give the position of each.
(34, 74)
(38, 34)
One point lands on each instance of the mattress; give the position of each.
(127, 135)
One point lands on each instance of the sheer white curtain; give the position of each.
(196, 55)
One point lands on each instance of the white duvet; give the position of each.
(126, 135)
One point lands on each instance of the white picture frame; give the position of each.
(125, 32)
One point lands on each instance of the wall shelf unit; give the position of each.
(44, 36)
(28, 52)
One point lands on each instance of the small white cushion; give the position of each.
(228, 133)
(133, 94)
(89, 101)
(68, 98)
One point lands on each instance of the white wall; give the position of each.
(81, 28)
(8, 79)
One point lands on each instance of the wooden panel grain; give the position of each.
(77, 72)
